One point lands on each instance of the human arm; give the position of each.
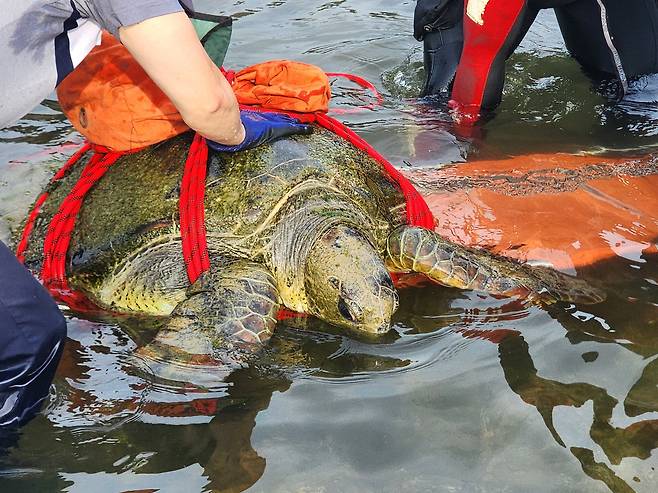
(178, 64)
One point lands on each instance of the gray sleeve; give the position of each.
(113, 14)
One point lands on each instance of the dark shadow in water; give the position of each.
(629, 318)
(222, 446)
(637, 440)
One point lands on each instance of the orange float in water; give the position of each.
(567, 210)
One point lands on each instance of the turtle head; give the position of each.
(347, 284)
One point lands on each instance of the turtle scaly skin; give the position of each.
(412, 249)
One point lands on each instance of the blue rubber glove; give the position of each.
(261, 128)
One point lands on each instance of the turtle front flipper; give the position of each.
(232, 308)
(413, 249)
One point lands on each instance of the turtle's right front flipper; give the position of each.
(413, 249)
(226, 311)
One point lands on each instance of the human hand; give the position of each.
(261, 128)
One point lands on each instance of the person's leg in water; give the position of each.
(600, 34)
(491, 35)
(442, 50)
(491, 31)
(438, 23)
(32, 334)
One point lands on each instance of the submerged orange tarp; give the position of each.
(571, 211)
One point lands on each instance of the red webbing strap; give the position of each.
(29, 225)
(191, 208)
(58, 236)
(229, 75)
(363, 83)
(366, 84)
(192, 216)
(418, 213)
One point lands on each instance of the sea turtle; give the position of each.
(309, 223)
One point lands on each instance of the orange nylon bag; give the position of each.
(112, 102)
(283, 85)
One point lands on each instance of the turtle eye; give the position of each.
(334, 282)
(350, 310)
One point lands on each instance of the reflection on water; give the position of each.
(469, 393)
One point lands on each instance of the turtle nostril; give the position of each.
(383, 328)
(334, 282)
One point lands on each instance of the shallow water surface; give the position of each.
(468, 393)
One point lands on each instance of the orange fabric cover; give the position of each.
(283, 85)
(112, 102)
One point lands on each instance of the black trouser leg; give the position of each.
(32, 333)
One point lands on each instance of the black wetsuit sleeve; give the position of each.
(435, 15)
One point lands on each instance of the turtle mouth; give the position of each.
(349, 311)
(354, 318)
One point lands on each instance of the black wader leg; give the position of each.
(480, 76)
(493, 90)
(32, 333)
(442, 51)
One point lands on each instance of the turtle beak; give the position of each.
(375, 318)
